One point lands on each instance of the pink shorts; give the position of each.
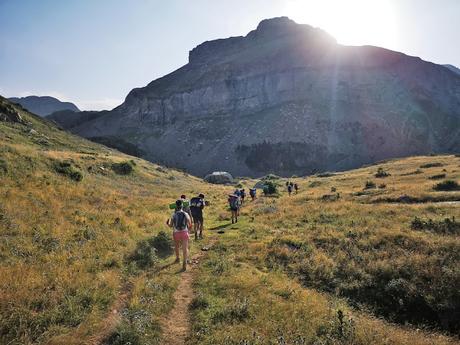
(180, 235)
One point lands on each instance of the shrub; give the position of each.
(369, 185)
(431, 165)
(382, 186)
(144, 255)
(234, 313)
(162, 243)
(381, 173)
(270, 177)
(199, 302)
(448, 185)
(123, 168)
(270, 188)
(446, 226)
(3, 166)
(437, 177)
(66, 168)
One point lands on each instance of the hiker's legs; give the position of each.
(200, 226)
(185, 252)
(176, 249)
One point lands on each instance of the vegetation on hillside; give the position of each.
(88, 260)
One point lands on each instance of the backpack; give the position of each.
(196, 202)
(180, 221)
(234, 202)
(252, 192)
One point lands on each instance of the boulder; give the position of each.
(9, 114)
(219, 177)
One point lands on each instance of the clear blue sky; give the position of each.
(93, 52)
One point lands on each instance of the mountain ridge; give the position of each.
(287, 99)
(43, 105)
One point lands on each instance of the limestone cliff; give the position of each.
(287, 99)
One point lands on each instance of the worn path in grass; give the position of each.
(176, 325)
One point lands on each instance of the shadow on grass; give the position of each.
(219, 227)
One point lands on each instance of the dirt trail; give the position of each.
(176, 325)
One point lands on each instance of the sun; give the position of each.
(351, 22)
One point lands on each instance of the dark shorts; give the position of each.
(197, 218)
(234, 209)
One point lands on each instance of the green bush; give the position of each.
(123, 168)
(447, 185)
(445, 226)
(144, 255)
(66, 168)
(162, 243)
(270, 188)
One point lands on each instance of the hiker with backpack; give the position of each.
(289, 189)
(186, 205)
(242, 195)
(252, 193)
(296, 188)
(196, 208)
(181, 223)
(234, 203)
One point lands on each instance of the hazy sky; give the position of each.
(93, 52)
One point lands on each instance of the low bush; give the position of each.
(270, 188)
(3, 166)
(66, 168)
(445, 226)
(381, 173)
(325, 174)
(144, 255)
(437, 177)
(162, 243)
(369, 185)
(123, 168)
(446, 186)
(431, 165)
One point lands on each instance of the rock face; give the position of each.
(8, 113)
(287, 99)
(219, 177)
(43, 105)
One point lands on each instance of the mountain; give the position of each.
(453, 68)
(43, 105)
(287, 99)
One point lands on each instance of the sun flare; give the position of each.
(351, 22)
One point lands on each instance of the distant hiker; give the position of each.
(234, 203)
(196, 207)
(287, 183)
(289, 189)
(181, 223)
(296, 188)
(237, 192)
(252, 193)
(242, 195)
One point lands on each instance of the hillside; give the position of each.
(338, 263)
(43, 105)
(287, 99)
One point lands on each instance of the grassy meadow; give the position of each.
(351, 259)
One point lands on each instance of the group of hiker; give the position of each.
(188, 217)
(291, 186)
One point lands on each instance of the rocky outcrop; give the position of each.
(8, 113)
(43, 105)
(287, 99)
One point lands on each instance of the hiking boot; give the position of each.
(184, 267)
(177, 261)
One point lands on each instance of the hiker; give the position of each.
(186, 205)
(296, 188)
(242, 195)
(180, 222)
(234, 203)
(289, 189)
(252, 193)
(196, 207)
